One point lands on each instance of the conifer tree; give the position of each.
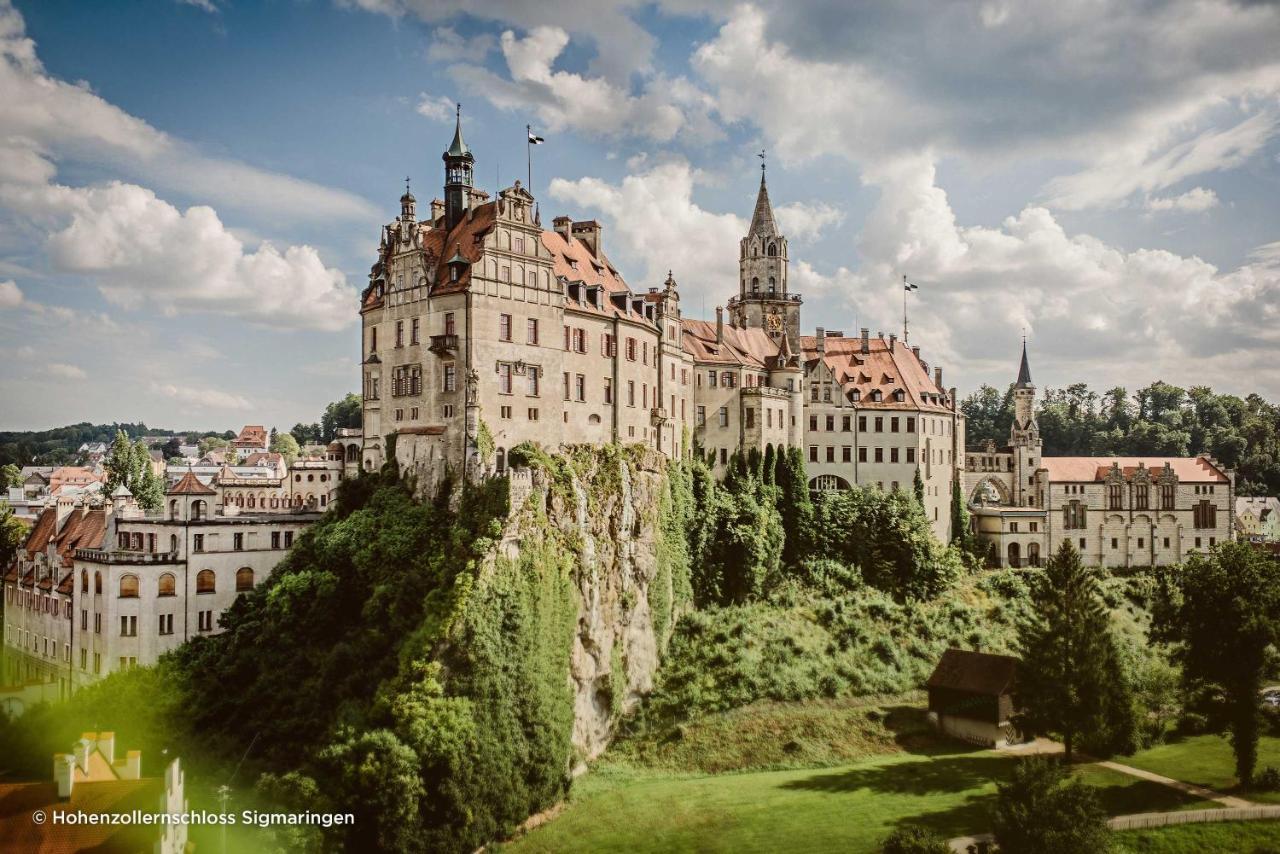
(794, 506)
(1070, 682)
(918, 484)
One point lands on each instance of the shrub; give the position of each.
(913, 840)
(1040, 810)
(1268, 779)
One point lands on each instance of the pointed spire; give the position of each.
(1024, 371)
(762, 218)
(458, 148)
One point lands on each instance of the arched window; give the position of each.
(244, 579)
(197, 509)
(755, 284)
(252, 502)
(173, 509)
(173, 543)
(206, 581)
(128, 587)
(84, 581)
(773, 285)
(168, 584)
(239, 500)
(502, 461)
(97, 583)
(773, 250)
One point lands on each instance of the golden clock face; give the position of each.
(774, 322)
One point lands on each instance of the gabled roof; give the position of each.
(974, 672)
(887, 366)
(752, 347)
(189, 484)
(1095, 469)
(44, 529)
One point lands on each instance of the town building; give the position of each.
(107, 587)
(1258, 519)
(482, 330)
(92, 780)
(252, 439)
(1116, 511)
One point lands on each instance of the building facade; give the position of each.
(1116, 511)
(482, 330)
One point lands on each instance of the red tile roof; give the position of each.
(1094, 469)
(751, 347)
(43, 530)
(189, 484)
(18, 833)
(885, 367)
(251, 436)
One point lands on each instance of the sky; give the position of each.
(191, 191)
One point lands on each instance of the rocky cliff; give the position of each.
(611, 515)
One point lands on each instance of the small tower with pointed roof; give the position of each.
(764, 300)
(1024, 434)
(459, 164)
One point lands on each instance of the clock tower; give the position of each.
(763, 299)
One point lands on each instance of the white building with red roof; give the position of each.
(1116, 511)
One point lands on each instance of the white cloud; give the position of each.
(141, 250)
(203, 5)
(447, 45)
(805, 223)
(47, 120)
(10, 294)
(1194, 200)
(437, 108)
(62, 371)
(593, 106)
(202, 398)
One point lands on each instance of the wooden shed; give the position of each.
(971, 697)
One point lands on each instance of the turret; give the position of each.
(764, 301)
(459, 163)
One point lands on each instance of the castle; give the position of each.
(481, 330)
(1116, 511)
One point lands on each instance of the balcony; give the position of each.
(444, 343)
(657, 416)
(121, 556)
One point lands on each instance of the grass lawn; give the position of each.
(1207, 761)
(847, 809)
(1234, 836)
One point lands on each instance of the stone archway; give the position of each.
(991, 484)
(1014, 555)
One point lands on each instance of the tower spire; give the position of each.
(762, 218)
(1024, 370)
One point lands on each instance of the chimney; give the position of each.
(63, 773)
(81, 751)
(437, 209)
(107, 746)
(893, 340)
(719, 324)
(132, 768)
(937, 378)
(915, 351)
(866, 340)
(951, 400)
(562, 226)
(821, 335)
(588, 231)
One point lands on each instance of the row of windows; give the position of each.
(896, 455)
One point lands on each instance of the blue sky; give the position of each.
(191, 192)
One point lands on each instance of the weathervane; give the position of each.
(761, 156)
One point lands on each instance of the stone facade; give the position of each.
(1117, 511)
(482, 330)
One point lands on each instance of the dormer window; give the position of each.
(876, 396)
(855, 395)
(899, 395)
(453, 274)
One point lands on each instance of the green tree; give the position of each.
(306, 434)
(285, 444)
(348, 412)
(794, 505)
(1222, 613)
(213, 443)
(918, 487)
(12, 534)
(1040, 810)
(119, 463)
(10, 475)
(1070, 681)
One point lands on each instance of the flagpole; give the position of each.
(528, 150)
(904, 309)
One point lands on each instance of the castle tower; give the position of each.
(763, 299)
(459, 163)
(1024, 435)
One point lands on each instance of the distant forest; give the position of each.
(58, 446)
(1159, 420)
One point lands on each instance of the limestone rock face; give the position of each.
(608, 513)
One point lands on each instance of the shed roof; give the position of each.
(975, 672)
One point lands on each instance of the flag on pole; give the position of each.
(908, 286)
(534, 139)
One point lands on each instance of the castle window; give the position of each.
(413, 330)
(773, 251)
(532, 334)
(1166, 496)
(911, 425)
(449, 328)
(450, 381)
(1115, 496)
(244, 579)
(167, 585)
(755, 282)
(724, 416)
(399, 333)
(206, 582)
(504, 378)
(826, 394)
(608, 390)
(1140, 495)
(532, 379)
(504, 327)
(773, 283)
(128, 587)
